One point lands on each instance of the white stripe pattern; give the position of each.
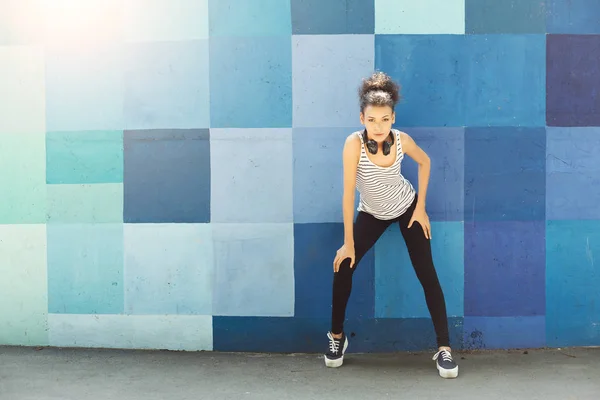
(384, 192)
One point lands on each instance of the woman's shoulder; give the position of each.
(352, 145)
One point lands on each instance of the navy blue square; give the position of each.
(505, 174)
(315, 246)
(320, 17)
(167, 176)
(573, 87)
(505, 269)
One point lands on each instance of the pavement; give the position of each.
(97, 374)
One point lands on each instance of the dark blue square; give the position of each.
(320, 17)
(505, 264)
(505, 16)
(315, 246)
(573, 87)
(167, 176)
(432, 70)
(573, 16)
(446, 149)
(505, 174)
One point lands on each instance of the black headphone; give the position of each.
(373, 147)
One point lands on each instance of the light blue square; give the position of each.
(398, 293)
(249, 18)
(84, 157)
(166, 85)
(168, 269)
(328, 70)
(505, 80)
(84, 88)
(254, 270)
(573, 173)
(251, 175)
(165, 20)
(431, 70)
(446, 149)
(420, 17)
(85, 268)
(572, 281)
(251, 82)
(318, 174)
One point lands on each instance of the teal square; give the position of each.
(249, 18)
(505, 16)
(84, 157)
(85, 268)
(398, 293)
(572, 281)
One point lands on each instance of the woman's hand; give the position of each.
(346, 251)
(420, 216)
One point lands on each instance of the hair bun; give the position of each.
(379, 82)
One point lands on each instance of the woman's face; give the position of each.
(378, 121)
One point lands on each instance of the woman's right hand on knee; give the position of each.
(346, 251)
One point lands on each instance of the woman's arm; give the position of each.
(351, 155)
(412, 150)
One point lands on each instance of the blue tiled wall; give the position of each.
(173, 173)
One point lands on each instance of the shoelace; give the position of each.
(446, 356)
(333, 343)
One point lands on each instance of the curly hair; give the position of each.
(378, 90)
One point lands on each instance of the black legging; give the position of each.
(367, 230)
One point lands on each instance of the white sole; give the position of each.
(338, 362)
(447, 373)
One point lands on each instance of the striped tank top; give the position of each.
(384, 192)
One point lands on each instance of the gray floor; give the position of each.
(81, 374)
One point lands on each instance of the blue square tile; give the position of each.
(506, 83)
(572, 282)
(398, 292)
(251, 175)
(505, 269)
(420, 17)
(84, 157)
(573, 173)
(84, 88)
(168, 269)
(573, 16)
(506, 16)
(431, 71)
(166, 85)
(270, 334)
(505, 174)
(573, 84)
(445, 191)
(324, 97)
(504, 332)
(85, 268)
(249, 18)
(254, 270)
(318, 185)
(315, 246)
(322, 17)
(167, 176)
(251, 82)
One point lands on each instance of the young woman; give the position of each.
(372, 158)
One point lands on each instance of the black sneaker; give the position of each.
(335, 356)
(445, 364)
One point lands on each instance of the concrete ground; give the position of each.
(84, 374)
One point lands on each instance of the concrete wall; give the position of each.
(171, 171)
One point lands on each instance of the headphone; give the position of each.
(373, 147)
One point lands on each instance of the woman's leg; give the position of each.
(419, 251)
(367, 229)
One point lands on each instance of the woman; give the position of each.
(372, 158)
